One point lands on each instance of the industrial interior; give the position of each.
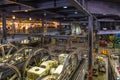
(59, 39)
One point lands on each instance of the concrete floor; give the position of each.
(102, 76)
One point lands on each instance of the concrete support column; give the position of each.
(4, 27)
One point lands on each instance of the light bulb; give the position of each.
(30, 19)
(13, 17)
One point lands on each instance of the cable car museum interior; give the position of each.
(59, 39)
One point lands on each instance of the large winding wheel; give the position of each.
(9, 72)
(22, 54)
(35, 59)
(6, 52)
(70, 65)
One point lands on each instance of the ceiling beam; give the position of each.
(76, 4)
(50, 4)
(20, 4)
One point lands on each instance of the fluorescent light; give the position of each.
(65, 7)
(45, 14)
(26, 10)
(76, 12)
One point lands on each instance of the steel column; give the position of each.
(76, 4)
(90, 45)
(4, 26)
(99, 26)
(42, 37)
(14, 29)
(43, 25)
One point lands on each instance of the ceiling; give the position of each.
(116, 1)
(60, 10)
(50, 9)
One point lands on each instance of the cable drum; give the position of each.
(7, 51)
(21, 55)
(35, 59)
(9, 72)
(70, 65)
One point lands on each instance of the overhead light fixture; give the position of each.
(104, 14)
(26, 10)
(30, 18)
(76, 12)
(65, 7)
(45, 14)
(13, 17)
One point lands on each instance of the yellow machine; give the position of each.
(44, 69)
(112, 37)
(62, 58)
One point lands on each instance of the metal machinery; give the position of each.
(30, 64)
(31, 41)
(58, 67)
(11, 66)
(6, 52)
(37, 63)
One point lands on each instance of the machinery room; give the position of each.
(59, 40)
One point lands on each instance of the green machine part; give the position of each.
(117, 43)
